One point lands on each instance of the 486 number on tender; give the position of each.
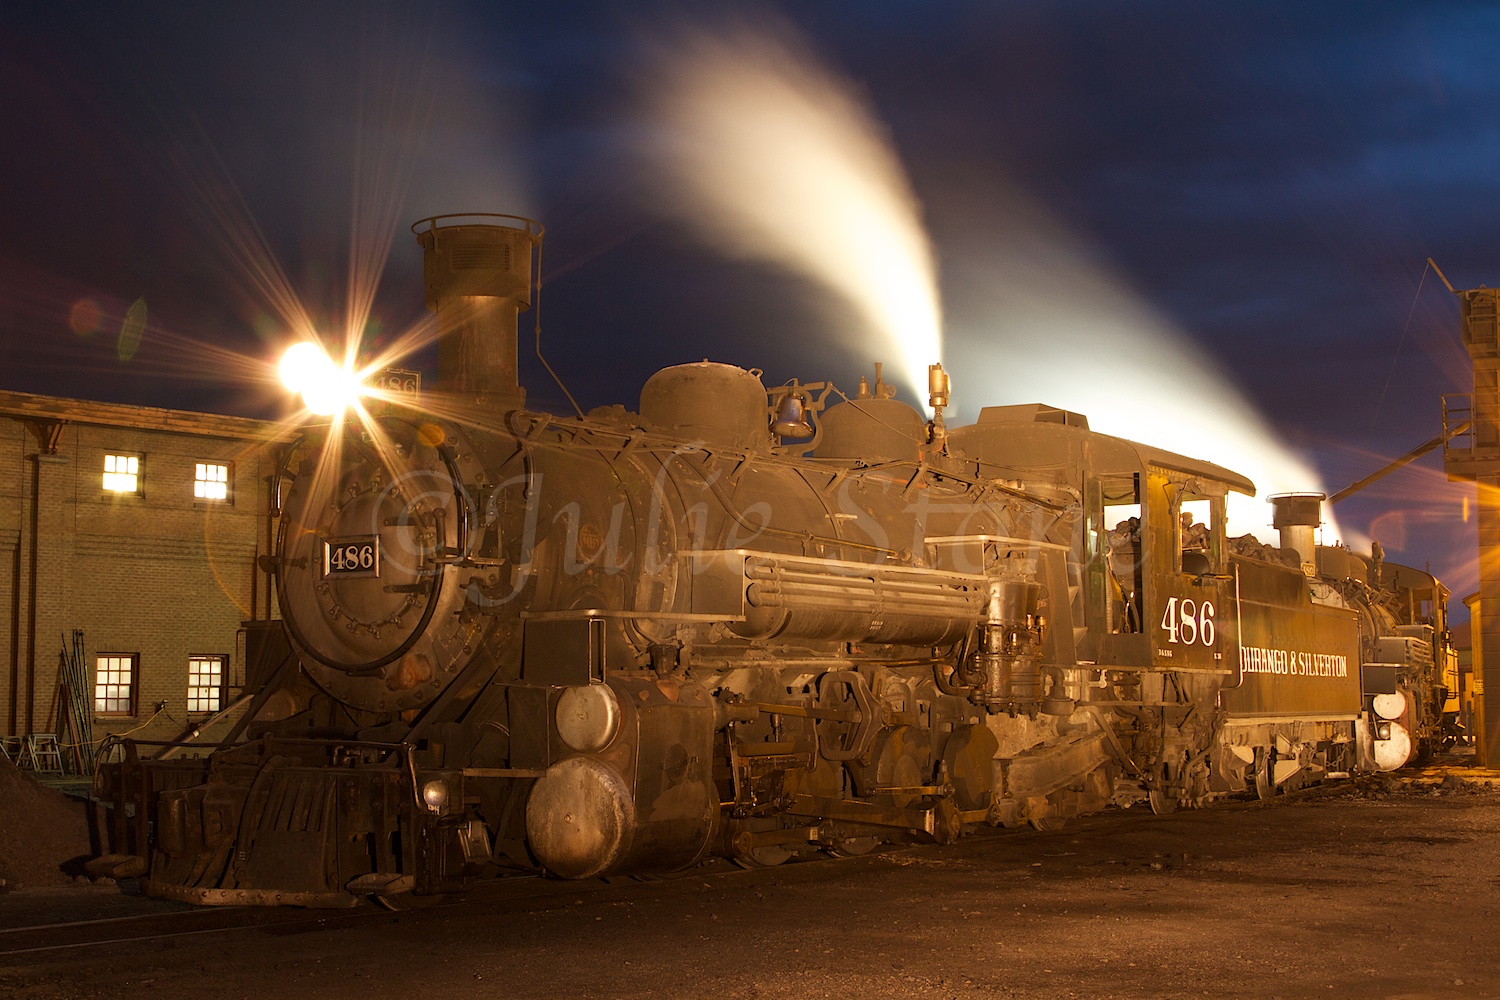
(1188, 622)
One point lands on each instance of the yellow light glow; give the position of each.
(326, 388)
(302, 365)
(336, 393)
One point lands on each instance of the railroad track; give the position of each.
(519, 891)
(64, 935)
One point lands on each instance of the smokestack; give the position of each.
(1295, 516)
(479, 280)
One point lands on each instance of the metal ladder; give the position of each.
(40, 752)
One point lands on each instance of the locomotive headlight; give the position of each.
(435, 795)
(299, 365)
(326, 387)
(1382, 730)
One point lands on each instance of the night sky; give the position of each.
(1266, 178)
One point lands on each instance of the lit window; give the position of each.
(114, 684)
(210, 481)
(205, 692)
(122, 473)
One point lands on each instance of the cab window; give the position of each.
(1199, 527)
(1122, 524)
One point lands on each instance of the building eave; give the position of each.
(29, 406)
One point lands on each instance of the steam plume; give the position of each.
(1035, 318)
(773, 156)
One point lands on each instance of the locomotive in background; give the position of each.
(752, 623)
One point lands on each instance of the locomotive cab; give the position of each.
(1147, 585)
(1157, 551)
(1150, 552)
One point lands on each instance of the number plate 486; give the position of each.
(352, 556)
(1189, 622)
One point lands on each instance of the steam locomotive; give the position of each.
(752, 622)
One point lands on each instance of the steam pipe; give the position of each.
(1408, 458)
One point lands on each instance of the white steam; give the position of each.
(1033, 319)
(773, 156)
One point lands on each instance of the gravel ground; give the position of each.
(1381, 888)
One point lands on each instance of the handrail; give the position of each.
(529, 226)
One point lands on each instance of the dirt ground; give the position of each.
(44, 835)
(1377, 890)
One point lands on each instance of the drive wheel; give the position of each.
(1162, 791)
(853, 847)
(1265, 770)
(765, 856)
(400, 902)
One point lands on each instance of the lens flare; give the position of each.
(326, 387)
(339, 392)
(301, 365)
(773, 156)
(85, 317)
(132, 330)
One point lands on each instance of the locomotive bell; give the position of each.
(791, 418)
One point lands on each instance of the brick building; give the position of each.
(142, 527)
